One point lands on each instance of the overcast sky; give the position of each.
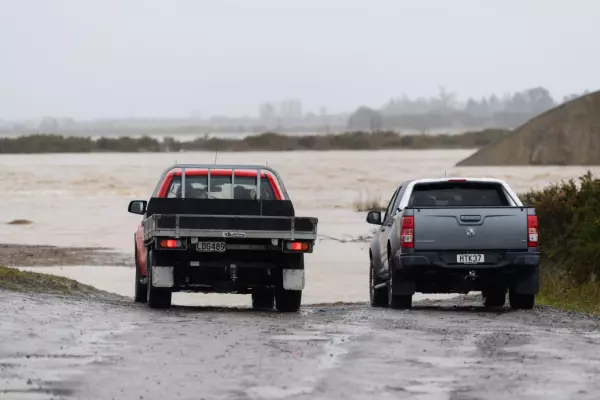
(120, 58)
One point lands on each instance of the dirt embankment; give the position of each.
(566, 135)
(23, 255)
(37, 255)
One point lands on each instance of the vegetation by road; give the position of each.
(569, 218)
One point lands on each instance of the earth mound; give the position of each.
(565, 135)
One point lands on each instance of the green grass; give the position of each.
(31, 282)
(561, 292)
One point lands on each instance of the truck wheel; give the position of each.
(157, 297)
(494, 297)
(397, 301)
(141, 289)
(263, 299)
(378, 296)
(289, 300)
(520, 301)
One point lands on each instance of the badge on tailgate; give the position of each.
(234, 234)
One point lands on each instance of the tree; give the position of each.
(539, 100)
(364, 119)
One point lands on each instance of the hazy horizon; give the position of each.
(151, 58)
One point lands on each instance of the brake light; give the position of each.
(170, 243)
(456, 180)
(532, 231)
(297, 246)
(407, 233)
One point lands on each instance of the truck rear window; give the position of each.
(459, 194)
(244, 187)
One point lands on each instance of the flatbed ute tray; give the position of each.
(273, 219)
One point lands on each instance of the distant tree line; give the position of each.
(444, 111)
(265, 142)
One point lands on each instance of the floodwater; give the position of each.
(81, 200)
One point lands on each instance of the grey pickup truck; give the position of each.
(454, 235)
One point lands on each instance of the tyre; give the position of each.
(379, 297)
(397, 301)
(494, 297)
(141, 289)
(520, 301)
(157, 297)
(263, 299)
(289, 300)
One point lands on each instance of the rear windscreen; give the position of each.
(458, 194)
(244, 187)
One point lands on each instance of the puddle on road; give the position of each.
(332, 351)
(55, 373)
(299, 338)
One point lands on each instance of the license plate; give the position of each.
(470, 258)
(218, 247)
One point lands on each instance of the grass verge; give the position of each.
(32, 282)
(568, 295)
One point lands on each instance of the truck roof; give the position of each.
(458, 178)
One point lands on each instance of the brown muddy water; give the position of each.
(81, 200)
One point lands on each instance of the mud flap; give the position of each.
(527, 282)
(293, 279)
(162, 277)
(403, 287)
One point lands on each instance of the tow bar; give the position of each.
(472, 275)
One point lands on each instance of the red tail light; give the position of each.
(407, 233)
(532, 231)
(297, 246)
(170, 243)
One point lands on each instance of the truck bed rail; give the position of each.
(219, 226)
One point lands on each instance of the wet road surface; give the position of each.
(70, 348)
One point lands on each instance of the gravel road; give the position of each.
(74, 348)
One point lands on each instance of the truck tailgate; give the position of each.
(485, 228)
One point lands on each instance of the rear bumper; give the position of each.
(434, 260)
(430, 272)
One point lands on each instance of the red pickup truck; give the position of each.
(219, 228)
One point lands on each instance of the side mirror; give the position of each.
(137, 207)
(374, 217)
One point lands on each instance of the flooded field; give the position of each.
(81, 200)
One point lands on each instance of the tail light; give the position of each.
(532, 231)
(297, 246)
(407, 233)
(170, 243)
